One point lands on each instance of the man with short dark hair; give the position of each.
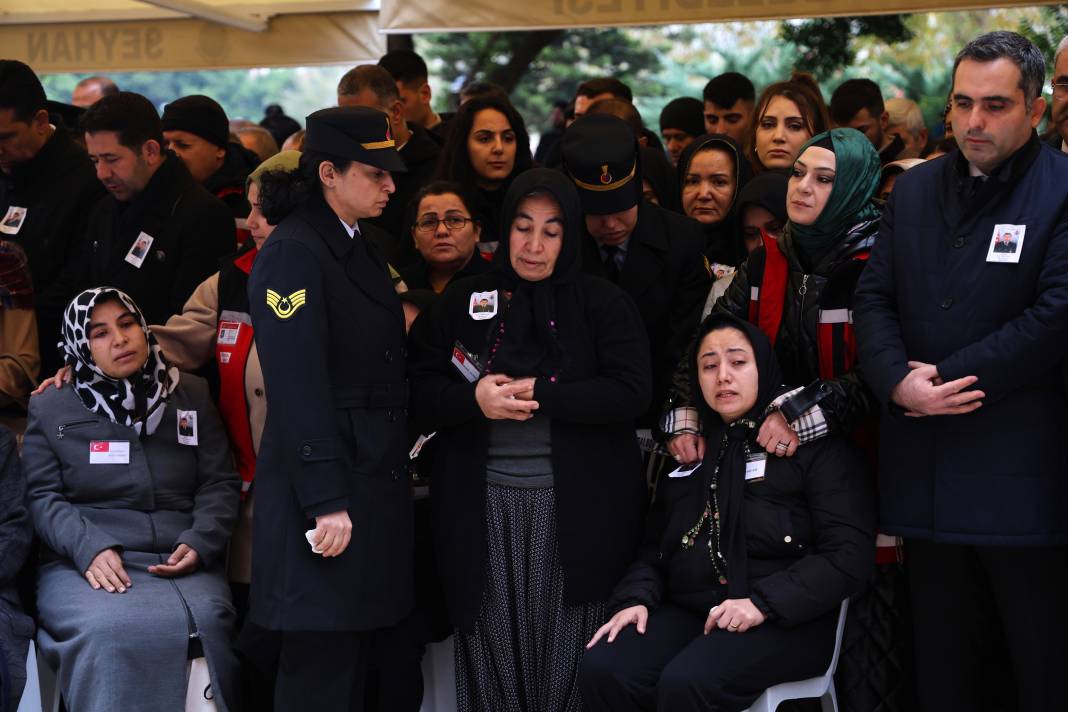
(958, 343)
(654, 255)
(623, 110)
(91, 90)
(594, 90)
(858, 104)
(372, 86)
(413, 84)
(472, 90)
(729, 100)
(608, 94)
(153, 200)
(196, 128)
(48, 181)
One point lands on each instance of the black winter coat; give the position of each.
(664, 273)
(846, 401)
(335, 437)
(810, 538)
(416, 276)
(59, 188)
(191, 232)
(599, 486)
(420, 156)
(997, 476)
(228, 183)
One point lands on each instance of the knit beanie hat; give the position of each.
(684, 114)
(199, 115)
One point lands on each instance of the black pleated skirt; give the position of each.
(524, 652)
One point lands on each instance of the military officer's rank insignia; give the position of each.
(285, 307)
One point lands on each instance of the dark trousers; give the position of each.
(972, 608)
(674, 667)
(321, 671)
(395, 672)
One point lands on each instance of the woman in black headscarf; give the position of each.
(712, 170)
(531, 375)
(660, 184)
(761, 210)
(746, 559)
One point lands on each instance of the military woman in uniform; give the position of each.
(332, 534)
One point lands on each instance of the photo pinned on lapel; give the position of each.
(1006, 244)
(12, 222)
(483, 305)
(139, 249)
(187, 427)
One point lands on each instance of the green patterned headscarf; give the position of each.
(856, 178)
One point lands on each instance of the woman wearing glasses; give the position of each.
(446, 236)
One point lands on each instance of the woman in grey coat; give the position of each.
(132, 492)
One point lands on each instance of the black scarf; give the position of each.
(721, 237)
(528, 342)
(661, 176)
(727, 445)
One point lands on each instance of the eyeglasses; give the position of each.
(1059, 90)
(452, 222)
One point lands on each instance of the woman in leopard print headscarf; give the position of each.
(131, 489)
(133, 401)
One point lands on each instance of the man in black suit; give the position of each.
(652, 253)
(153, 200)
(47, 189)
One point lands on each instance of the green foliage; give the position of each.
(825, 44)
(907, 55)
(1047, 31)
(566, 59)
(243, 93)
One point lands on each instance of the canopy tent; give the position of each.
(402, 16)
(130, 35)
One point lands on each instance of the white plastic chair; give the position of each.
(821, 687)
(439, 677)
(41, 693)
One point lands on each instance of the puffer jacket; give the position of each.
(810, 532)
(845, 400)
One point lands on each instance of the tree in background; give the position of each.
(243, 93)
(1047, 30)
(538, 68)
(907, 55)
(825, 45)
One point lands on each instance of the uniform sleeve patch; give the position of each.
(286, 306)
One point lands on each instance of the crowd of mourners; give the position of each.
(636, 418)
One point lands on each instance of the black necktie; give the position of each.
(611, 266)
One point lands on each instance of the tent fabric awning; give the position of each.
(185, 44)
(402, 16)
(173, 35)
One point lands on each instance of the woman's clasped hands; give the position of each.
(502, 397)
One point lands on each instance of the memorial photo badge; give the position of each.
(187, 427)
(12, 222)
(483, 305)
(1006, 244)
(139, 250)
